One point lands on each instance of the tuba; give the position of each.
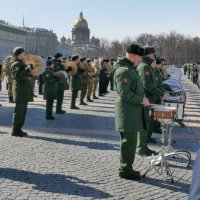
(38, 63)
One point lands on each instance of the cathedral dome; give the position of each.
(81, 22)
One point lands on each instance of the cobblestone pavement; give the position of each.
(77, 155)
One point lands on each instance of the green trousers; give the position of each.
(74, 97)
(49, 108)
(19, 116)
(60, 97)
(143, 134)
(112, 81)
(188, 74)
(90, 87)
(10, 93)
(96, 81)
(83, 92)
(150, 129)
(128, 143)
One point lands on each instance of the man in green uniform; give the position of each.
(112, 75)
(58, 66)
(96, 66)
(90, 80)
(163, 69)
(84, 80)
(152, 92)
(103, 78)
(159, 79)
(75, 83)
(188, 71)
(129, 108)
(50, 89)
(22, 90)
(185, 69)
(9, 79)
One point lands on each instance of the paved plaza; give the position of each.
(77, 155)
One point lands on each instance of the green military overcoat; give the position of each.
(128, 104)
(147, 75)
(50, 84)
(58, 66)
(75, 80)
(22, 89)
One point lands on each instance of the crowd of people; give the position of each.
(91, 77)
(192, 71)
(136, 77)
(138, 80)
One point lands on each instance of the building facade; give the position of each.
(40, 41)
(64, 47)
(10, 37)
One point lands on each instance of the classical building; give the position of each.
(80, 32)
(10, 37)
(81, 42)
(40, 41)
(64, 47)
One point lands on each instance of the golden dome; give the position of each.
(81, 21)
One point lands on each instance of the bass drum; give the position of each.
(174, 84)
(175, 90)
(175, 73)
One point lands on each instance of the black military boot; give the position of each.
(10, 99)
(89, 100)
(19, 133)
(50, 118)
(134, 175)
(83, 103)
(95, 97)
(60, 112)
(74, 107)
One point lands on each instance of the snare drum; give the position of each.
(163, 113)
(179, 107)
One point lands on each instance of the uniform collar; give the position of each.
(147, 60)
(127, 62)
(55, 60)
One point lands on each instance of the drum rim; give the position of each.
(163, 108)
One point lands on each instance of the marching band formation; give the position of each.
(141, 79)
(55, 75)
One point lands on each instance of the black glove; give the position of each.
(82, 70)
(69, 69)
(57, 79)
(30, 67)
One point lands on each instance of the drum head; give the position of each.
(175, 73)
(163, 108)
(175, 85)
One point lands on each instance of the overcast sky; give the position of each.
(111, 19)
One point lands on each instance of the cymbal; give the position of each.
(38, 63)
(73, 66)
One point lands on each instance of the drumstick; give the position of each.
(151, 104)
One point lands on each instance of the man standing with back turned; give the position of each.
(22, 90)
(129, 108)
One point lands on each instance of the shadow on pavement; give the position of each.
(90, 145)
(54, 183)
(175, 187)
